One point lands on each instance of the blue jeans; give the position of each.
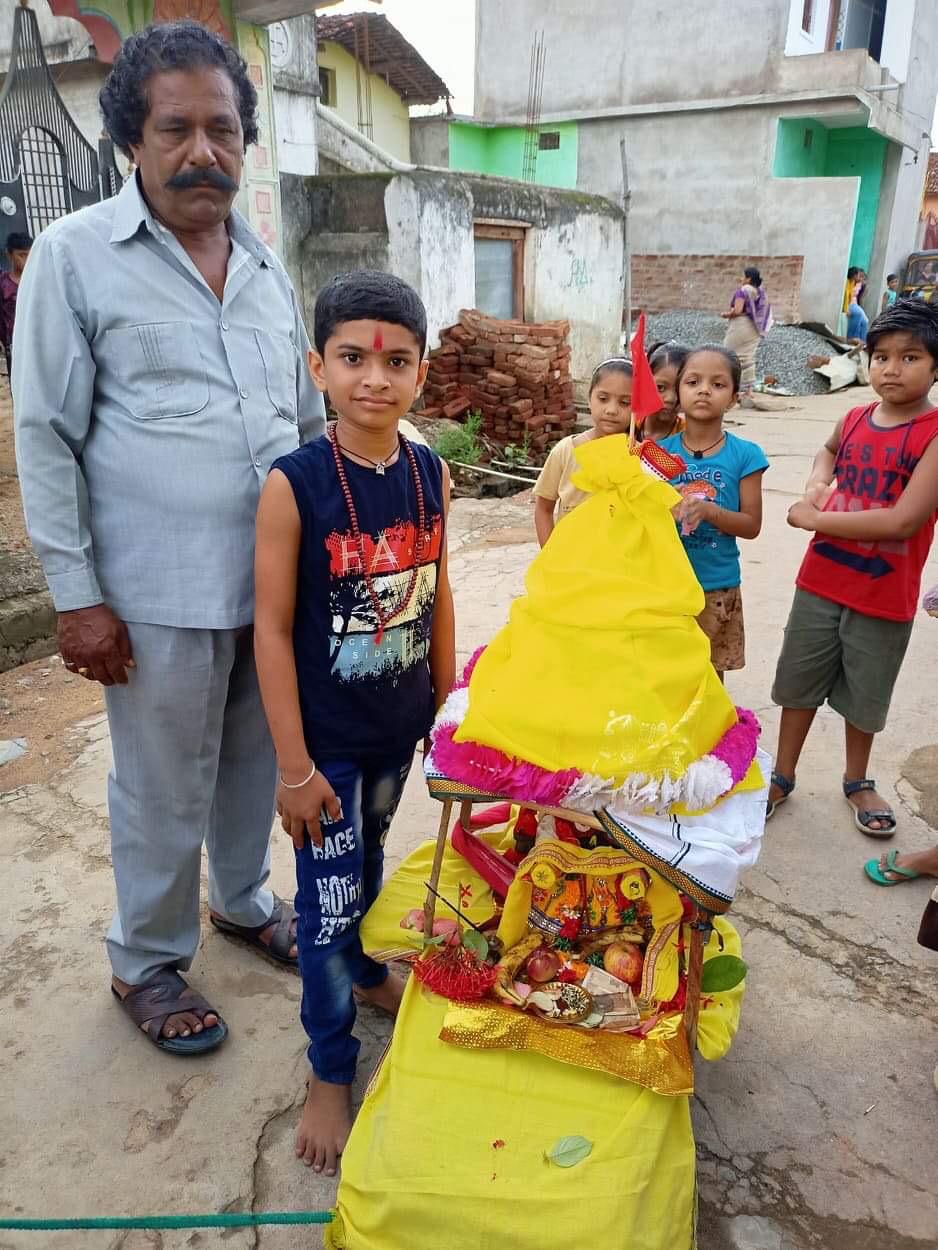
(336, 884)
(857, 322)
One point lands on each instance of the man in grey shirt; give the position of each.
(159, 369)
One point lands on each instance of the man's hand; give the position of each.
(94, 643)
(803, 515)
(300, 809)
(693, 510)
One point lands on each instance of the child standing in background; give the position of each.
(891, 291)
(871, 503)
(611, 410)
(722, 489)
(664, 360)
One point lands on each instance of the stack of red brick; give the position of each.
(516, 374)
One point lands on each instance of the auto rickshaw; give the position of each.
(920, 279)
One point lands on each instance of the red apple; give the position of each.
(624, 961)
(542, 966)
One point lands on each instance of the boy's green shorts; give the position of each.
(835, 654)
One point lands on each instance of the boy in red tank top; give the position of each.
(871, 500)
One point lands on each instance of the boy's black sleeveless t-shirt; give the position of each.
(364, 690)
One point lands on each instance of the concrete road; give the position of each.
(817, 1132)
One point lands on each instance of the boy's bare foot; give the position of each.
(387, 995)
(925, 863)
(324, 1125)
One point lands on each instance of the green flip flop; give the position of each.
(875, 873)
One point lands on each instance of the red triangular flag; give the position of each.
(645, 397)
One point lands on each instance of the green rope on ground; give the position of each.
(232, 1219)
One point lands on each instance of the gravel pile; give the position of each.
(784, 351)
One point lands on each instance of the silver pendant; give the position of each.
(379, 468)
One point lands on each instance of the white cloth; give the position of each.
(712, 849)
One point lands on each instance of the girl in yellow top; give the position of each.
(611, 411)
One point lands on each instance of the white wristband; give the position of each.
(298, 785)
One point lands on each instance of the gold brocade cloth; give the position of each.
(660, 1062)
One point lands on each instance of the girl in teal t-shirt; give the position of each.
(722, 489)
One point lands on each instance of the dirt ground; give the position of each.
(817, 1132)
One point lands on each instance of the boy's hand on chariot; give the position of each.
(693, 511)
(803, 515)
(300, 810)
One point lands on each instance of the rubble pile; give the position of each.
(517, 375)
(782, 354)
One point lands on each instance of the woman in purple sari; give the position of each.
(750, 317)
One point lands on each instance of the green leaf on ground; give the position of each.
(569, 1151)
(722, 973)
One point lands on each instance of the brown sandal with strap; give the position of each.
(281, 940)
(166, 994)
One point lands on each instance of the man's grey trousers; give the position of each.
(193, 763)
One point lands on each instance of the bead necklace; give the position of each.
(384, 618)
(699, 454)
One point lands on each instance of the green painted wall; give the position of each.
(794, 158)
(848, 152)
(499, 150)
(859, 152)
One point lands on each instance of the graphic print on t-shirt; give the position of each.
(874, 465)
(359, 649)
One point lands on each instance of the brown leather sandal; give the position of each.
(163, 995)
(278, 948)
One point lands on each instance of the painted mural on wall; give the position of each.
(109, 22)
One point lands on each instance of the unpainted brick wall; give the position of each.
(662, 283)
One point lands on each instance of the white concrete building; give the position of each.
(752, 127)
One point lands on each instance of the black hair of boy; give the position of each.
(368, 295)
(753, 274)
(731, 359)
(18, 241)
(853, 271)
(907, 316)
(615, 364)
(891, 277)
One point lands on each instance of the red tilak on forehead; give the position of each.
(379, 341)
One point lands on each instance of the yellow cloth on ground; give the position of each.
(602, 666)
(422, 1171)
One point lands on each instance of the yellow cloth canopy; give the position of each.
(602, 666)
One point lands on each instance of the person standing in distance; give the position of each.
(159, 369)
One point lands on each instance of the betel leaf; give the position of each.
(722, 973)
(569, 1151)
(476, 943)
(435, 941)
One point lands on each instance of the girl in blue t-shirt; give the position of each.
(722, 489)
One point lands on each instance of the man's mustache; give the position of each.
(191, 178)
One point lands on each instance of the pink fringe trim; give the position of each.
(737, 748)
(463, 682)
(487, 768)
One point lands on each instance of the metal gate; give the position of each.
(47, 167)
